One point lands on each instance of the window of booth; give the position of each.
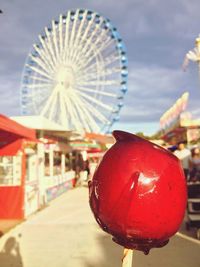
(57, 163)
(10, 170)
(46, 163)
(31, 167)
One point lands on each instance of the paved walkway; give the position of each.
(65, 234)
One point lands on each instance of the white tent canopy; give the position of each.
(39, 123)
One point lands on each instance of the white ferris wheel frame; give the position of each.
(77, 73)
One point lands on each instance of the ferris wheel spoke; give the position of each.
(45, 74)
(53, 107)
(39, 85)
(52, 98)
(89, 48)
(73, 31)
(106, 62)
(69, 107)
(84, 42)
(47, 48)
(41, 64)
(95, 112)
(89, 41)
(61, 35)
(50, 47)
(80, 33)
(111, 59)
(97, 116)
(78, 39)
(88, 120)
(86, 74)
(100, 74)
(90, 59)
(68, 39)
(97, 46)
(86, 35)
(104, 43)
(55, 40)
(92, 85)
(73, 116)
(85, 117)
(66, 42)
(63, 110)
(38, 78)
(98, 51)
(110, 71)
(46, 58)
(95, 91)
(95, 101)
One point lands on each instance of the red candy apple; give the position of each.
(138, 193)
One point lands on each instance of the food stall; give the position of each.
(55, 173)
(18, 170)
(177, 124)
(58, 175)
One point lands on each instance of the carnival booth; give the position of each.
(172, 127)
(18, 170)
(55, 172)
(58, 174)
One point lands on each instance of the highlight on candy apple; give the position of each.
(138, 193)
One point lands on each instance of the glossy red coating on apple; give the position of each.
(138, 193)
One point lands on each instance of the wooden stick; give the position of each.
(127, 258)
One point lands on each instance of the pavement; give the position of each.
(65, 234)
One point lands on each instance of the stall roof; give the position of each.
(101, 138)
(49, 128)
(11, 129)
(39, 123)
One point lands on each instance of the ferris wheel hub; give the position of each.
(65, 77)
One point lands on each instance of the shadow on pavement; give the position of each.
(10, 254)
(110, 254)
(178, 253)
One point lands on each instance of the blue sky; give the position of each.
(157, 35)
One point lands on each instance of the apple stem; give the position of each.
(127, 258)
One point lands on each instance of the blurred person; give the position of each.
(195, 165)
(184, 155)
(171, 148)
(87, 168)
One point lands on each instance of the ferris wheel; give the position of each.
(76, 74)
